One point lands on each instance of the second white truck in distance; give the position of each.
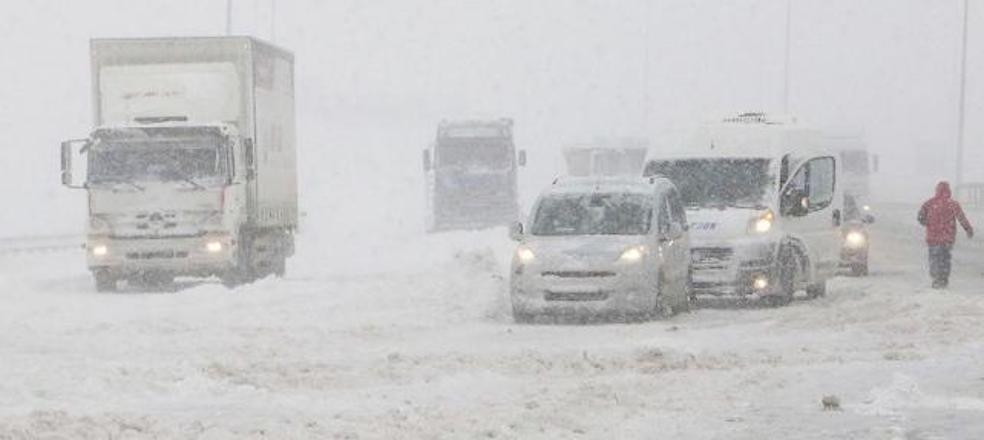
(764, 205)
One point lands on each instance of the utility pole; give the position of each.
(785, 82)
(963, 99)
(228, 17)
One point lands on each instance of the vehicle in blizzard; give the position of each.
(764, 207)
(190, 169)
(598, 246)
(621, 157)
(472, 175)
(856, 242)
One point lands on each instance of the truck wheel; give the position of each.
(859, 269)
(104, 281)
(817, 290)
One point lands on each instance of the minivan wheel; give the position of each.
(104, 281)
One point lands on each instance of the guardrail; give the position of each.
(971, 195)
(37, 244)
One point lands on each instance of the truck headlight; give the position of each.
(100, 250)
(525, 254)
(855, 239)
(632, 254)
(214, 247)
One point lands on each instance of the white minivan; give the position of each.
(602, 246)
(764, 205)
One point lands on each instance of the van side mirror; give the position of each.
(522, 158)
(795, 203)
(73, 172)
(249, 156)
(427, 161)
(516, 231)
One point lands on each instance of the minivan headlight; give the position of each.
(854, 240)
(525, 254)
(633, 254)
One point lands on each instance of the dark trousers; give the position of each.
(939, 264)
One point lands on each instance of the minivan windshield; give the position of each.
(717, 182)
(593, 214)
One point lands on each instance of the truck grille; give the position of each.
(156, 255)
(599, 295)
(579, 274)
(712, 258)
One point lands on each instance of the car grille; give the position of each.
(579, 274)
(711, 258)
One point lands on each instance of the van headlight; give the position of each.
(100, 250)
(524, 254)
(763, 223)
(214, 246)
(633, 254)
(855, 240)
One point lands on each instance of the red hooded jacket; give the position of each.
(940, 215)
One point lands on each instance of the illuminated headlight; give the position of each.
(99, 250)
(763, 223)
(760, 283)
(524, 254)
(214, 246)
(866, 208)
(855, 239)
(632, 254)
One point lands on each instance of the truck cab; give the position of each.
(191, 168)
(471, 175)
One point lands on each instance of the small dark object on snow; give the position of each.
(831, 403)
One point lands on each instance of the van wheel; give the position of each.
(788, 271)
(662, 308)
(104, 281)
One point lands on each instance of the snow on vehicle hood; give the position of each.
(583, 249)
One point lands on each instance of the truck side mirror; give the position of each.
(516, 231)
(522, 158)
(249, 156)
(73, 171)
(427, 160)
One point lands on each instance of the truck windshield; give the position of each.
(198, 161)
(475, 154)
(593, 214)
(717, 183)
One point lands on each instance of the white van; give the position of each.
(602, 245)
(764, 205)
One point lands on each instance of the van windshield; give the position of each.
(593, 214)
(719, 182)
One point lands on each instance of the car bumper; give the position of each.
(583, 292)
(741, 267)
(186, 256)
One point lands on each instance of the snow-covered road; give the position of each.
(413, 340)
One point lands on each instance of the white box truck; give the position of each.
(190, 169)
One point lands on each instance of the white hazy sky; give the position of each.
(563, 69)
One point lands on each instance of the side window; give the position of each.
(798, 181)
(821, 182)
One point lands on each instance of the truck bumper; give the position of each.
(187, 256)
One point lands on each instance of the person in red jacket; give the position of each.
(940, 215)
